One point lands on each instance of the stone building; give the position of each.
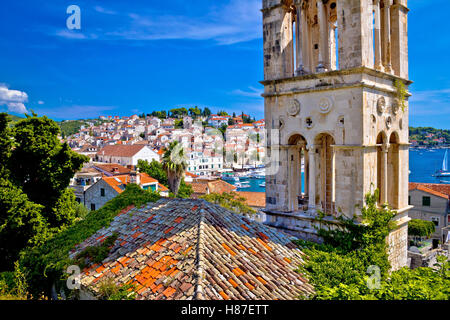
(336, 103)
(431, 202)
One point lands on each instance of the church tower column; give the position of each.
(312, 178)
(323, 37)
(384, 196)
(387, 35)
(377, 32)
(299, 33)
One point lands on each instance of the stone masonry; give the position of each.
(332, 71)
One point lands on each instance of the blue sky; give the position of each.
(138, 56)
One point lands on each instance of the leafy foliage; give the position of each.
(46, 264)
(231, 201)
(401, 93)
(175, 164)
(95, 254)
(36, 170)
(339, 267)
(110, 291)
(421, 228)
(42, 166)
(13, 285)
(21, 223)
(155, 170)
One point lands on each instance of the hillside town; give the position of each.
(331, 196)
(147, 138)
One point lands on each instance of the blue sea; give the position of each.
(422, 164)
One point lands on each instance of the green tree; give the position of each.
(21, 223)
(5, 144)
(42, 166)
(206, 112)
(154, 169)
(175, 164)
(339, 268)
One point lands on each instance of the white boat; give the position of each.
(241, 186)
(263, 185)
(444, 171)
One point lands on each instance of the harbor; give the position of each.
(426, 166)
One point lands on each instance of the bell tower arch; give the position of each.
(333, 70)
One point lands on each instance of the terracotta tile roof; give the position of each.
(191, 175)
(437, 189)
(112, 168)
(162, 187)
(121, 150)
(117, 182)
(192, 249)
(254, 199)
(146, 179)
(216, 186)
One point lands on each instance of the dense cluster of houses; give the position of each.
(117, 144)
(208, 150)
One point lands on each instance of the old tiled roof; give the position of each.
(117, 181)
(112, 168)
(253, 199)
(440, 190)
(216, 186)
(192, 249)
(121, 150)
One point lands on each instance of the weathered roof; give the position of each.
(253, 199)
(216, 186)
(119, 150)
(192, 249)
(116, 181)
(439, 190)
(112, 168)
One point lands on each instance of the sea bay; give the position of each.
(423, 164)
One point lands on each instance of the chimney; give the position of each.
(135, 177)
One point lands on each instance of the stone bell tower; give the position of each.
(336, 79)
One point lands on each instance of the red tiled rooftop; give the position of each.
(437, 189)
(253, 199)
(121, 150)
(192, 249)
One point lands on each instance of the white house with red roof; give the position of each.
(126, 155)
(109, 187)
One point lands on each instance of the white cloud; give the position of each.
(430, 102)
(252, 93)
(233, 22)
(13, 99)
(75, 111)
(104, 10)
(70, 34)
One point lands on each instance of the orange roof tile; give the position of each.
(439, 190)
(120, 150)
(253, 199)
(166, 268)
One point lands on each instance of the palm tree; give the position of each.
(174, 162)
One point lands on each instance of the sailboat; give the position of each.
(444, 171)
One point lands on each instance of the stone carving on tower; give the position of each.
(330, 68)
